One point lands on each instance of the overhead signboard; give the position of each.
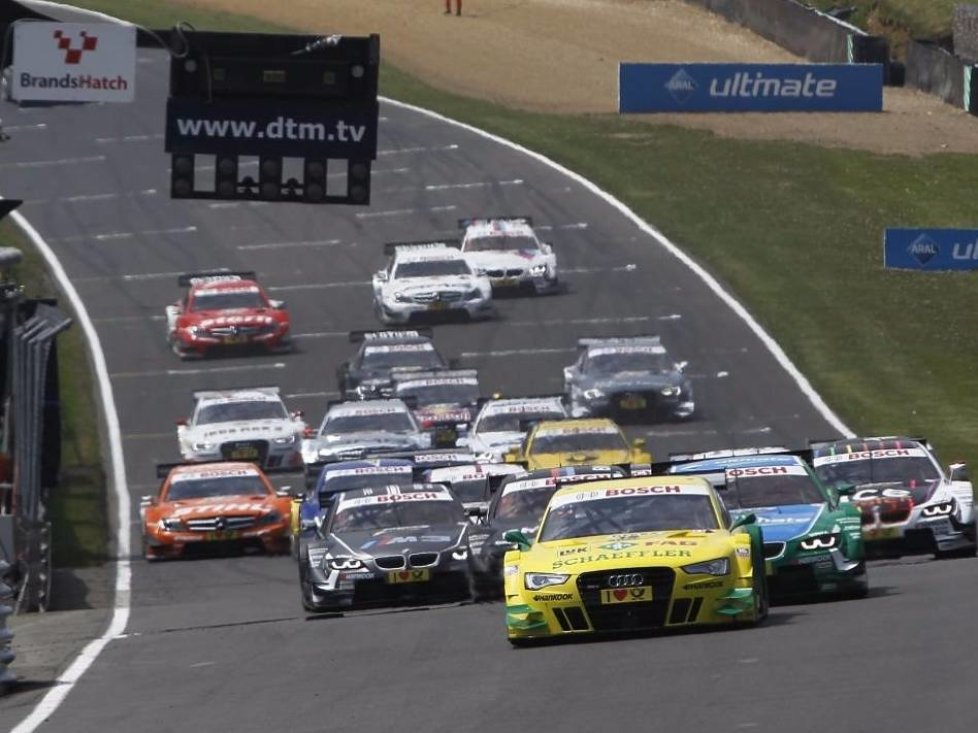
(73, 62)
(931, 249)
(644, 88)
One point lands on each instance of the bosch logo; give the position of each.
(73, 55)
(627, 580)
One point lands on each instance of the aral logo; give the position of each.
(923, 249)
(681, 86)
(73, 52)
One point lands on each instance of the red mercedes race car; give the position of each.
(224, 310)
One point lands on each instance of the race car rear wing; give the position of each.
(474, 221)
(815, 444)
(163, 469)
(661, 468)
(730, 453)
(403, 375)
(648, 339)
(215, 393)
(428, 459)
(208, 276)
(391, 247)
(391, 334)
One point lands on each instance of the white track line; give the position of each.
(50, 163)
(287, 245)
(202, 370)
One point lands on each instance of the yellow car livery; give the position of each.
(631, 555)
(555, 443)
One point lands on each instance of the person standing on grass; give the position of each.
(448, 7)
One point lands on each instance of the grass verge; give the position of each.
(794, 229)
(77, 508)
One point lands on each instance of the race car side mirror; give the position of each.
(285, 492)
(958, 472)
(568, 373)
(638, 443)
(381, 275)
(743, 521)
(517, 538)
(147, 501)
(681, 366)
(297, 414)
(277, 304)
(845, 489)
(182, 422)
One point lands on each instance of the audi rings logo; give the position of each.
(626, 580)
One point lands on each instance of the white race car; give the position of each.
(508, 251)
(502, 424)
(429, 279)
(250, 424)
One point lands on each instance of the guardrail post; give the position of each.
(6, 635)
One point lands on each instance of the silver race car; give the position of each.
(508, 250)
(501, 424)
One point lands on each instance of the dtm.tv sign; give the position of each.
(750, 88)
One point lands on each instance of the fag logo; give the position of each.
(74, 55)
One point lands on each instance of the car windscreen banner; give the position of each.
(273, 127)
(931, 249)
(695, 87)
(73, 62)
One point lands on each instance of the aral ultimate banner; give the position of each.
(750, 88)
(931, 249)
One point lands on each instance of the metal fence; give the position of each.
(6, 635)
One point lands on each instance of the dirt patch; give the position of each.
(562, 56)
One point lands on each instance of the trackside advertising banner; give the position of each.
(750, 88)
(289, 128)
(73, 62)
(931, 249)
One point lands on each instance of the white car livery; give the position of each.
(429, 279)
(250, 424)
(502, 424)
(508, 251)
(908, 503)
(474, 484)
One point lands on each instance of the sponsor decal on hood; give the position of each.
(783, 523)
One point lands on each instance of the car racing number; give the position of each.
(396, 577)
(626, 595)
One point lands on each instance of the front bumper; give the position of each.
(626, 405)
(921, 537)
(346, 590)
(273, 538)
(812, 573)
(392, 312)
(576, 607)
(200, 344)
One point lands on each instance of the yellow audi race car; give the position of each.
(634, 554)
(556, 443)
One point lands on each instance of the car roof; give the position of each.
(584, 424)
(412, 493)
(245, 394)
(512, 405)
(334, 468)
(861, 445)
(221, 286)
(499, 227)
(682, 484)
(721, 464)
(427, 253)
(367, 407)
(208, 470)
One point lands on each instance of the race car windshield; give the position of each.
(234, 411)
(227, 301)
(578, 443)
(502, 422)
(383, 360)
(501, 244)
(385, 422)
(748, 492)
(212, 487)
(908, 470)
(465, 491)
(388, 516)
(643, 513)
(365, 481)
(441, 394)
(628, 361)
(528, 503)
(431, 268)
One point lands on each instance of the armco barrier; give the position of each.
(932, 69)
(6, 635)
(805, 31)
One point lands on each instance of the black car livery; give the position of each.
(444, 402)
(368, 374)
(382, 546)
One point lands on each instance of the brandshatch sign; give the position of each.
(965, 28)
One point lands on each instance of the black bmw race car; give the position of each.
(385, 546)
(368, 374)
(519, 504)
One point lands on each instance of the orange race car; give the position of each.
(214, 505)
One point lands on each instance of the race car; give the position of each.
(519, 504)
(599, 440)
(247, 424)
(473, 484)
(354, 430)
(429, 280)
(382, 546)
(628, 378)
(812, 542)
(508, 251)
(443, 402)
(335, 478)
(368, 374)
(909, 504)
(501, 424)
(214, 506)
(223, 310)
(634, 554)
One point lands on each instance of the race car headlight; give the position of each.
(461, 553)
(285, 440)
(271, 518)
(474, 294)
(344, 563)
(172, 524)
(670, 391)
(720, 566)
(820, 542)
(203, 445)
(938, 510)
(401, 297)
(538, 270)
(536, 581)
(593, 394)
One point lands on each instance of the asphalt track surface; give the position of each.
(223, 643)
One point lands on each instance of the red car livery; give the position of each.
(224, 310)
